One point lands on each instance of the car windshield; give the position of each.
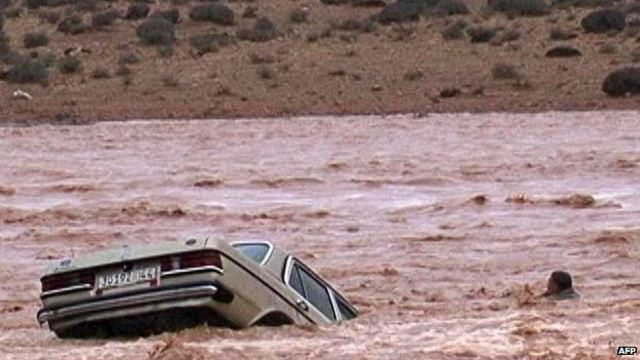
(255, 251)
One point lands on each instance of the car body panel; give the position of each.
(240, 290)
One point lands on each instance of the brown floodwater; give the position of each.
(441, 229)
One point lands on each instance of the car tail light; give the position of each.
(66, 280)
(200, 259)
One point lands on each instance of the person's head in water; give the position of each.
(560, 286)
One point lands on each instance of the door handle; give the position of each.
(302, 304)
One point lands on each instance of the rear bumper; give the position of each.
(126, 305)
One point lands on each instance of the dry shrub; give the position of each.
(560, 34)
(103, 19)
(72, 25)
(520, 7)
(171, 15)
(157, 31)
(28, 70)
(215, 13)
(204, 43)
(481, 34)
(622, 82)
(69, 65)
(604, 20)
(137, 11)
(563, 51)
(35, 39)
(101, 73)
(455, 30)
(298, 16)
(505, 71)
(262, 30)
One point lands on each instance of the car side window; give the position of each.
(255, 251)
(314, 291)
(345, 311)
(295, 282)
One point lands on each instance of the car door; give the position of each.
(314, 297)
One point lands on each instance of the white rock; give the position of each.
(19, 94)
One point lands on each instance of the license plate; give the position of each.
(127, 278)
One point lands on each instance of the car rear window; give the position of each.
(255, 251)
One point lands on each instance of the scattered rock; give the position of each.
(578, 201)
(7, 191)
(19, 94)
(480, 199)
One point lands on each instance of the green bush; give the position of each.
(604, 20)
(481, 34)
(69, 65)
(137, 11)
(28, 70)
(35, 39)
(622, 82)
(1, 21)
(262, 30)
(104, 19)
(520, 7)
(215, 13)
(157, 31)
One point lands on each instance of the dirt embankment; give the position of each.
(316, 59)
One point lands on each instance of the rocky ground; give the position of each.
(319, 59)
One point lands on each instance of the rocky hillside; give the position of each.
(84, 60)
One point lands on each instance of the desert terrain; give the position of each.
(441, 229)
(313, 59)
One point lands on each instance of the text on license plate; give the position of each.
(126, 278)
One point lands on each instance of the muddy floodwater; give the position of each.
(441, 229)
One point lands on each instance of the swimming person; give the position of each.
(560, 287)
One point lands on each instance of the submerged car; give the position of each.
(172, 285)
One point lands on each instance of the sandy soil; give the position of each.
(441, 229)
(344, 72)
